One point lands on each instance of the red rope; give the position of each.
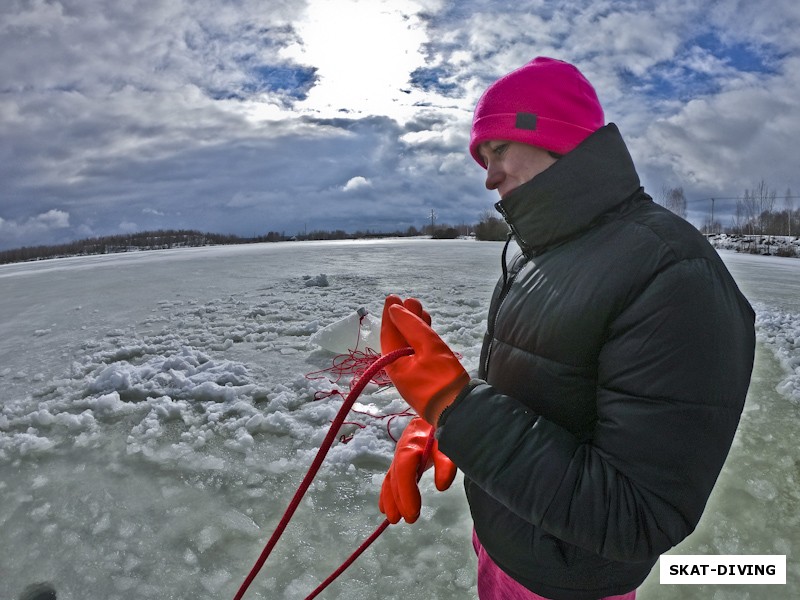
(355, 391)
(350, 560)
(375, 534)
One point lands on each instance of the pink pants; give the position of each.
(495, 584)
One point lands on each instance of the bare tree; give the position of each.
(737, 220)
(711, 226)
(750, 205)
(661, 197)
(673, 199)
(764, 199)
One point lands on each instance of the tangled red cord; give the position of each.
(354, 364)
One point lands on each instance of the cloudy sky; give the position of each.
(248, 116)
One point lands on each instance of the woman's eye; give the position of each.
(499, 149)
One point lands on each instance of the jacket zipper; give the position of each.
(507, 283)
(499, 207)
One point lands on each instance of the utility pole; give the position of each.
(712, 216)
(433, 221)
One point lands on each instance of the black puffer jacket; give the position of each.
(613, 375)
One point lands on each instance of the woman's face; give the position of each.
(510, 164)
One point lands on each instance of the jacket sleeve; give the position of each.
(672, 376)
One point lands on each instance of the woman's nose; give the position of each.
(494, 176)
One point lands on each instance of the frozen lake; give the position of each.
(157, 418)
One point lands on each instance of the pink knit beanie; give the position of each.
(546, 103)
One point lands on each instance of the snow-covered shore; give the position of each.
(766, 245)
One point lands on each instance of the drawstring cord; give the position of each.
(503, 257)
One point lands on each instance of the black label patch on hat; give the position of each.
(525, 121)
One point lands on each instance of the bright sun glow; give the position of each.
(364, 52)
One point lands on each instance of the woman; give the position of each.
(614, 368)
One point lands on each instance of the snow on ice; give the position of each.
(157, 418)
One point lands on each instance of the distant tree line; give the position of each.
(758, 211)
(760, 224)
(756, 214)
(442, 232)
(164, 239)
(145, 240)
(491, 227)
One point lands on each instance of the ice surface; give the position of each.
(157, 418)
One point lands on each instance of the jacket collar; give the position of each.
(565, 199)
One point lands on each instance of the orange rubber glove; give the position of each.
(400, 496)
(431, 378)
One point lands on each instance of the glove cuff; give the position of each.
(465, 391)
(444, 398)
